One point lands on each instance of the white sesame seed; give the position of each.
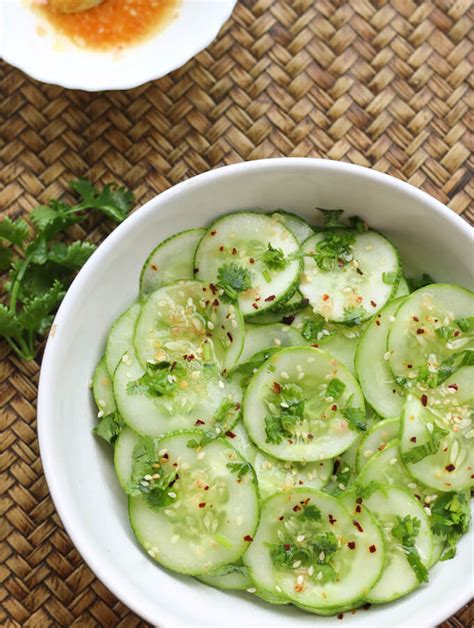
(251, 590)
(101, 403)
(320, 575)
(277, 342)
(368, 453)
(277, 588)
(300, 579)
(147, 477)
(221, 384)
(300, 538)
(454, 452)
(284, 375)
(210, 325)
(201, 455)
(322, 556)
(234, 323)
(341, 487)
(296, 564)
(412, 486)
(144, 483)
(100, 414)
(393, 461)
(386, 355)
(310, 570)
(391, 318)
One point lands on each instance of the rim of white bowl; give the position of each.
(46, 384)
(178, 61)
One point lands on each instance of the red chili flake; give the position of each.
(286, 546)
(334, 407)
(453, 386)
(418, 497)
(416, 319)
(373, 304)
(288, 320)
(367, 606)
(351, 545)
(272, 297)
(340, 616)
(234, 251)
(206, 488)
(165, 456)
(413, 439)
(296, 508)
(331, 519)
(213, 233)
(420, 330)
(372, 549)
(229, 336)
(215, 303)
(472, 476)
(213, 288)
(237, 406)
(196, 270)
(325, 297)
(358, 526)
(255, 306)
(300, 482)
(221, 248)
(377, 323)
(199, 422)
(175, 464)
(424, 400)
(202, 504)
(449, 468)
(306, 501)
(456, 333)
(340, 263)
(359, 500)
(276, 388)
(207, 302)
(359, 299)
(189, 357)
(248, 538)
(358, 508)
(251, 260)
(258, 298)
(230, 434)
(154, 267)
(409, 366)
(310, 436)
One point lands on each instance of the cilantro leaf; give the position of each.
(313, 328)
(114, 202)
(358, 224)
(405, 531)
(14, 232)
(414, 283)
(390, 277)
(356, 418)
(109, 427)
(240, 468)
(6, 256)
(415, 454)
(159, 380)
(36, 310)
(465, 324)
(55, 217)
(233, 279)
(310, 511)
(450, 518)
(290, 402)
(331, 217)
(223, 420)
(275, 258)
(72, 256)
(9, 325)
(335, 388)
(333, 249)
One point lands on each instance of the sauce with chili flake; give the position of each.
(114, 24)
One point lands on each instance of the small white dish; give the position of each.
(29, 43)
(79, 469)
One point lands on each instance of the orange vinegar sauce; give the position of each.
(114, 24)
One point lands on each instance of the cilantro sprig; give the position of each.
(405, 532)
(40, 268)
(233, 279)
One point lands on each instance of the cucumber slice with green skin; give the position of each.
(230, 578)
(320, 428)
(342, 348)
(261, 337)
(120, 337)
(170, 261)
(187, 320)
(123, 456)
(102, 389)
(373, 371)
(275, 475)
(398, 577)
(239, 439)
(376, 440)
(212, 513)
(356, 288)
(298, 227)
(425, 342)
(387, 467)
(195, 402)
(314, 552)
(437, 441)
(403, 289)
(242, 238)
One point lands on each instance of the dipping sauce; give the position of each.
(114, 24)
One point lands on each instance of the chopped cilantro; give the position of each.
(356, 418)
(358, 224)
(275, 258)
(335, 388)
(334, 249)
(233, 279)
(405, 531)
(465, 324)
(415, 454)
(222, 421)
(290, 401)
(109, 427)
(450, 517)
(240, 468)
(310, 511)
(158, 380)
(331, 217)
(414, 283)
(312, 328)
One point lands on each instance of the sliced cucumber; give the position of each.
(403, 289)
(171, 260)
(298, 227)
(275, 475)
(208, 518)
(102, 389)
(289, 413)
(240, 440)
(388, 504)
(354, 288)
(187, 321)
(233, 577)
(123, 452)
(308, 549)
(242, 239)
(195, 401)
(375, 377)
(437, 437)
(376, 440)
(386, 466)
(431, 333)
(120, 337)
(260, 337)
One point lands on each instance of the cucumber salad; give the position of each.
(289, 415)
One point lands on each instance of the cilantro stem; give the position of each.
(17, 282)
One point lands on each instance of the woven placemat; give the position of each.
(377, 83)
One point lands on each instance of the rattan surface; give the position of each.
(382, 84)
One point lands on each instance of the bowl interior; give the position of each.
(79, 469)
(52, 59)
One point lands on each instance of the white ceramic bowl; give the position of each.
(79, 469)
(51, 59)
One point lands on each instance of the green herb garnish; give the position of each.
(335, 388)
(223, 419)
(418, 282)
(450, 517)
(405, 531)
(109, 427)
(159, 380)
(275, 259)
(41, 268)
(356, 418)
(415, 454)
(233, 279)
(290, 402)
(331, 217)
(240, 468)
